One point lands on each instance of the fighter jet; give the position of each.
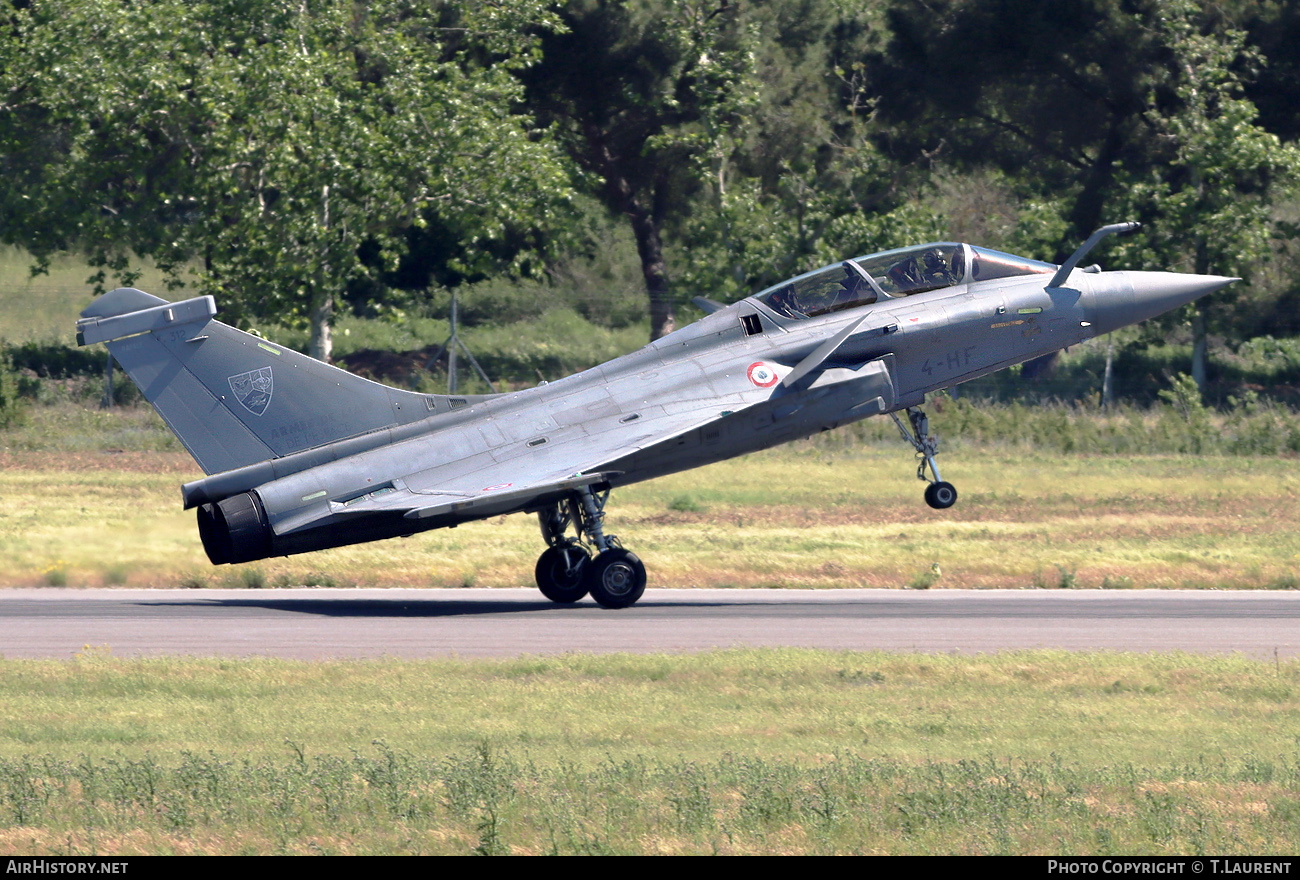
(301, 456)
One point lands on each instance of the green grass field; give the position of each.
(771, 751)
(45, 307)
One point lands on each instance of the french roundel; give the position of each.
(763, 375)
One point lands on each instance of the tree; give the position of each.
(634, 89)
(1054, 94)
(1206, 197)
(734, 138)
(1098, 110)
(270, 153)
(801, 181)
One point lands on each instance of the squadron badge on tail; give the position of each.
(253, 389)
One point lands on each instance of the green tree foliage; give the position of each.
(1075, 99)
(800, 181)
(1273, 28)
(281, 155)
(1056, 94)
(641, 93)
(1096, 111)
(268, 152)
(1207, 194)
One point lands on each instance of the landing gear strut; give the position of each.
(566, 571)
(938, 494)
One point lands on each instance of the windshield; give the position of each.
(899, 272)
(826, 290)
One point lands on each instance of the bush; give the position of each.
(11, 404)
(1269, 358)
(54, 360)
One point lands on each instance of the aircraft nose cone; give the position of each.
(1159, 292)
(1137, 296)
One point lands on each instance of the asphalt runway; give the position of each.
(321, 623)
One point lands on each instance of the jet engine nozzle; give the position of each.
(235, 530)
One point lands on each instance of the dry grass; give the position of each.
(797, 517)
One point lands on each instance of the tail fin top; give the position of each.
(234, 399)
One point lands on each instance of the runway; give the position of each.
(323, 623)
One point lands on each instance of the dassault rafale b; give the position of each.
(302, 456)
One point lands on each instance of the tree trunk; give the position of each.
(321, 316)
(645, 228)
(1086, 212)
(321, 345)
(648, 244)
(1106, 389)
(1199, 347)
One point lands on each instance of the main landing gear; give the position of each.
(566, 571)
(938, 494)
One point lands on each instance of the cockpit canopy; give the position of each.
(892, 274)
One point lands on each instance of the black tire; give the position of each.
(940, 496)
(616, 578)
(561, 575)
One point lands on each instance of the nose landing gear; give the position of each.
(938, 494)
(566, 571)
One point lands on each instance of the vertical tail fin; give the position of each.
(234, 399)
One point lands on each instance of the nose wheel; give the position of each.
(567, 571)
(938, 494)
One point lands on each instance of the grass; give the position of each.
(817, 514)
(773, 751)
(46, 306)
